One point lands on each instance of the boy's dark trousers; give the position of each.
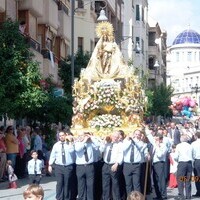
(35, 178)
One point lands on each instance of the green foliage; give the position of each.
(149, 106)
(81, 60)
(159, 100)
(54, 110)
(20, 91)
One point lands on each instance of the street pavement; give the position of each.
(49, 186)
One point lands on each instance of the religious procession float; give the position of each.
(108, 95)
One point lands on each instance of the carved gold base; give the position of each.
(103, 132)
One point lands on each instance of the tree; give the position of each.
(55, 109)
(20, 91)
(81, 60)
(149, 106)
(161, 100)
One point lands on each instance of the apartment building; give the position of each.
(47, 26)
(85, 20)
(134, 41)
(48, 30)
(156, 53)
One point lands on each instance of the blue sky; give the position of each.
(175, 16)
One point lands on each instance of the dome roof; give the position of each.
(187, 36)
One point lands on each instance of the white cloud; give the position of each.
(175, 16)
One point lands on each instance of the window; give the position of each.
(91, 46)
(138, 12)
(80, 4)
(186, 84)
(152, 37)
(80, 43)
(183, 56)
(142, 14)
(151, 62)
(177, 57)
(177, 85)
(189, 56)
(191, 80)
(197, 81)
(137, 39)
(142, 46)
(195, 56)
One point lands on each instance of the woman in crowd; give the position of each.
(12, 145)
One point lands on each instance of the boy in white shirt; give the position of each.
(35, 167)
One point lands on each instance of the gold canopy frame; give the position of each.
(108, 95)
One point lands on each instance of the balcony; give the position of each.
(2, 6)
(64, 21)
(35, 6)
(34, 44)
(50, 14)
(50, 65)
(153, 50)
(152, 74)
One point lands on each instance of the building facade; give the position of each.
(47, 26)
(134, 41)
(156, 54)
(183, 64)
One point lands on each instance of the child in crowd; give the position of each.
(35, 167)
(11, 175)
(173, 169)
(34, 192)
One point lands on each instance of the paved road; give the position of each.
(48, 184)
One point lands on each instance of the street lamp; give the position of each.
(156, 66)
(196, 89)
(72, 40)
(137, 48)
(102, 16)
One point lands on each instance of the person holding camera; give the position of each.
(113, 158)
(63, 158)
(135, 150)
(85, 148)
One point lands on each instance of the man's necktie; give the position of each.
(63, 154)
(85, 154)
(132, 151)
(109, 153)
(35, 168)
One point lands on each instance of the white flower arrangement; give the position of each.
(102, 96)
(106, 95)
(106, 121)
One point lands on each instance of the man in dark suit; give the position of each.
(174, 133)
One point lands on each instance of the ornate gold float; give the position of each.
(108, 95)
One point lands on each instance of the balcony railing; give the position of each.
(62, 6)
(34, 44)
(46, 54)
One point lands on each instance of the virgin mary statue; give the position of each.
(106, 61)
